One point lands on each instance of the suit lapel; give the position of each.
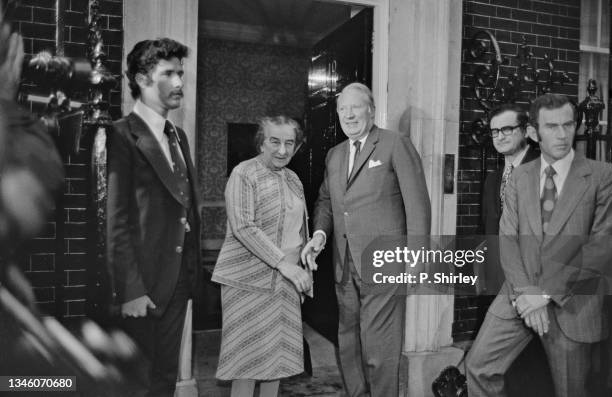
(364, 155)
(183, 143)
(496, 194)
(185, 152)
(532, 202)
(344, 153)
(150, 148)
(573, 191)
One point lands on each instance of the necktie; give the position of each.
(357, 145)
(178, 165)
(549, 197)
(505, 179)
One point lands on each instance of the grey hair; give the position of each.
(265, 122)
(362, 88)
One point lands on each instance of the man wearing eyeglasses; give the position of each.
(509, 134)
(555, 234)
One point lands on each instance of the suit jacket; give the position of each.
(146, 215)
(490, 205)
(567, 262)
(255, 215)
(386, 195)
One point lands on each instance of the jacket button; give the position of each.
(179, 249)
(346, 214)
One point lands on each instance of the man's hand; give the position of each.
(137, 307)
(537, 320)
(298, 276)
(531, 298)
(11, 59)
(312, 249)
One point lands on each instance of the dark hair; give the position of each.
(549, 101)
(521, 115)
(146, 54)
(264, 122)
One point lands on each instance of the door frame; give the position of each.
(380, 54)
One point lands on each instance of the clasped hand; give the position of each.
(311, 250)
(531, 306)
(299, 277)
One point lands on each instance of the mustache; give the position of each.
(177, 92)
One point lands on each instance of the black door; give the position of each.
(342, 57)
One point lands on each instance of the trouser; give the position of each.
(159, 338)
(500, 341)
(370, 335)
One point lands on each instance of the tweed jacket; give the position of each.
(256, 208)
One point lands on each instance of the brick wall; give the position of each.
(551, 27)
(58, 269)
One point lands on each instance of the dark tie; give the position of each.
(549, 197)
(505, 179)
(178, 165)
(357, 145)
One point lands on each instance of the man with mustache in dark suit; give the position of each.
(153, 218)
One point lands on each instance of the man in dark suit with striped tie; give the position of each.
(554, 247)
(153, 218)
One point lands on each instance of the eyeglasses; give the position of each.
(505, 131)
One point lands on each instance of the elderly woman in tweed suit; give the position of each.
(258, 266)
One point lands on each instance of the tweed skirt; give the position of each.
(262, 335)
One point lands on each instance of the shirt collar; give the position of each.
(362, 140)
(518, 159)
(152, 119)
(561, 166)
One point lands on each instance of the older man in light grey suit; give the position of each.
(555, 246)
(374, 186)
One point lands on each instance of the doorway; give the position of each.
(254, 60)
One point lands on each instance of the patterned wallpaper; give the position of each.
(238, 83)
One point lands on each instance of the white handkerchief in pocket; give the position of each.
(374, 163)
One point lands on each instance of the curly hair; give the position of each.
(146, 54)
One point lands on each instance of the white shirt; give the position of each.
(352, 152)
(561, 168)
(156, 124)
